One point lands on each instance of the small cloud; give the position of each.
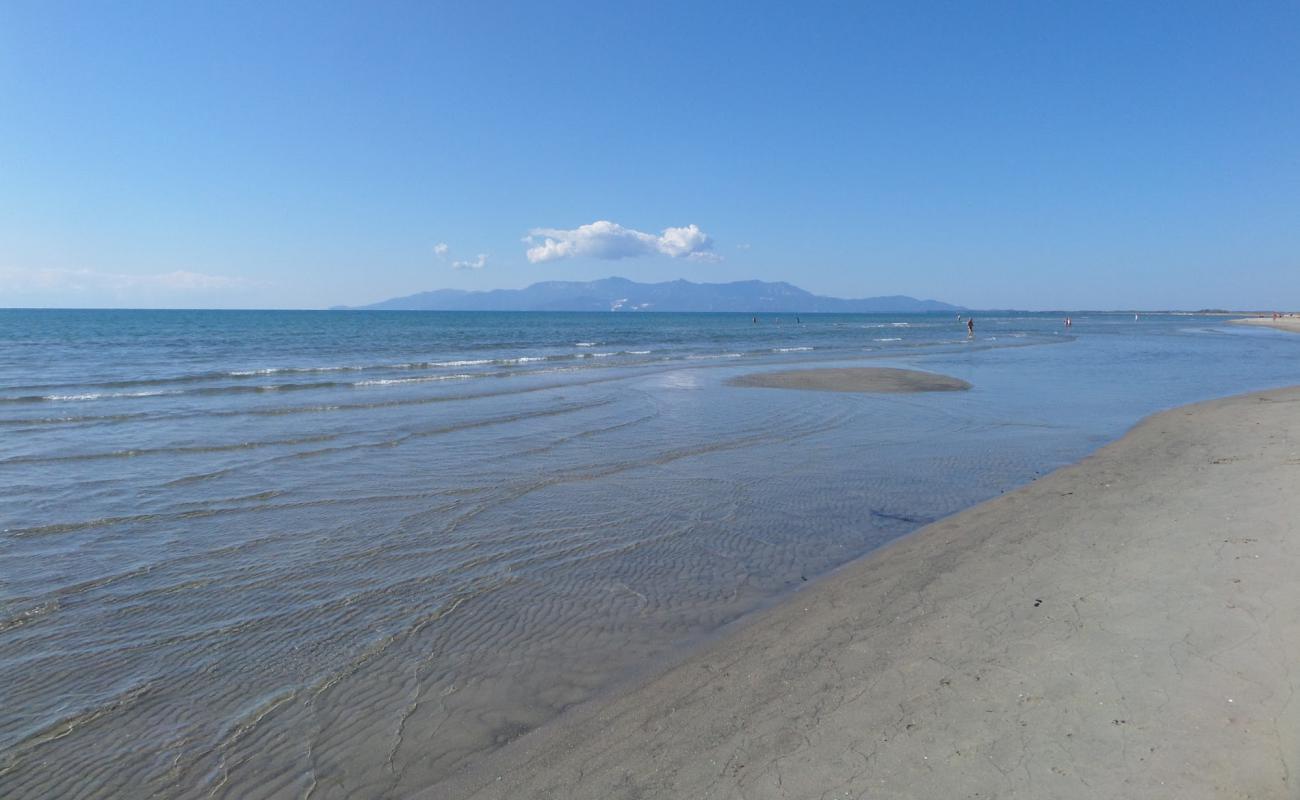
(609, 240)
(743, 246)
(440, 249)
(683, 242)
(477, 263)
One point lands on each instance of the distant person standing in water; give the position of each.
(970, 328)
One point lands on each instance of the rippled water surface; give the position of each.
(272, 554)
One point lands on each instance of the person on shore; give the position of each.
(970, 328)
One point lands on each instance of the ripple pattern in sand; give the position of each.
(342, 590)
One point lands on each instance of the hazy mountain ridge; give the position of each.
(621, 294)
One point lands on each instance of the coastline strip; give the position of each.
(1291, 324)
(1124, 627)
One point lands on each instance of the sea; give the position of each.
(272, 554)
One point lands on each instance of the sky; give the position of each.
(277, 154)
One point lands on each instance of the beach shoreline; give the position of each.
(1120, 627)
(1291, 324)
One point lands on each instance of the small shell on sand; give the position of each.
(853, 379)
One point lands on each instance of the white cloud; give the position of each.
(609, 240)
(477, 263)
(440, 249)
(681, 242)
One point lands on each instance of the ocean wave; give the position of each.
(62, 398)
(234, 381)
(173, 450)
(790, 349)
(100, 389)
(29, 615)
(426, 379)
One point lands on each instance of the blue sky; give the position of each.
(277, 154)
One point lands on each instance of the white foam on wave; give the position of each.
(890, 339)
(469, 362)
(585, 344)
(790, 349)
(638, 352)
(394, 381)
(101, 395)
(713, 356)
(247, 373)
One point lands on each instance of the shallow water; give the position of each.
(266, 554)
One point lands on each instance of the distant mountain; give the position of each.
(621, 294)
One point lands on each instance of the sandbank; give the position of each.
(1124, 627)
(853, 379)
(1281, 323)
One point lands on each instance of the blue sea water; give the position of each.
(266, 554)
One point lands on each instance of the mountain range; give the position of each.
(621, 294)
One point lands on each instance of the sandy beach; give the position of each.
(882, 380)
(1281, 323)
(1124, 627)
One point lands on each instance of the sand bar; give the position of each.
(1125, 627)
(1281, 323)
(853, 379)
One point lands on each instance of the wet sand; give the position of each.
(1124, 627)
(1284, 323)
(853, 379)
